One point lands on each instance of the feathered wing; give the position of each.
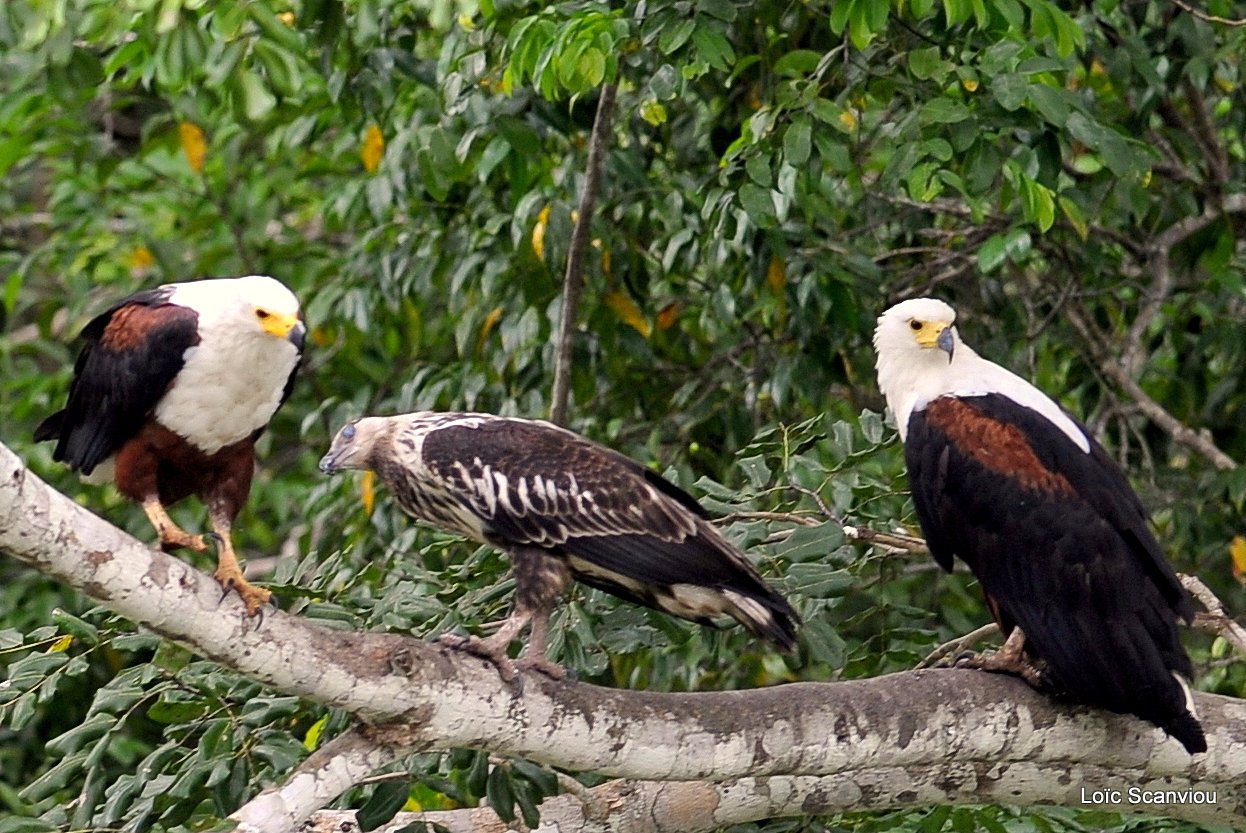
(1059, 542)
(133, 351)
(623, 528)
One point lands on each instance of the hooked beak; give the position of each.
(328, 463)
(298, 335)
(946, 342)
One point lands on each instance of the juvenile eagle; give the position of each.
(170, 392)
(562, 507)
(1003, 477)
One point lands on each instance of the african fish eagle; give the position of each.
(562, 507)
(170, 393)
(1005, 478)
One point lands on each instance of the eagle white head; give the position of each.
(251, 306)
(917, 343)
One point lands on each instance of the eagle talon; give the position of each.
(508, 669)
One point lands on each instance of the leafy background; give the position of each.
(777, 174)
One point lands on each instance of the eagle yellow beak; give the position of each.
(937, 335)
(284, 326)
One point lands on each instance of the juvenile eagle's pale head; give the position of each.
(354, 444)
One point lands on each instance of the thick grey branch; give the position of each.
(626, 806)
(573, 280)
(428, 697)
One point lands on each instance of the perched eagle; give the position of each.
(169, 395)
(1006, 479)
(562, 507)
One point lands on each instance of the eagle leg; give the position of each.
(540, 579)
(493, 648)
(171, 535)
(229, 572)
(1009, 659)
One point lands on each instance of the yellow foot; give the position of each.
(173, 538)
(230, 578)
(1005, 662)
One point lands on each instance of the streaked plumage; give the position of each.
(563, 507)
(170, 393)
(1004, 478)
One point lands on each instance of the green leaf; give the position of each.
(798, 62)
(944, 111)
(500, 795)
(384, 803)
(1010, 90)
(796, 141)
(257, 101)
(928, 64)
(757, 203)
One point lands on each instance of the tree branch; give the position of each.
(573, 280)
(1183, 434)
(938, 727)
(1159, 251)
(627, 806)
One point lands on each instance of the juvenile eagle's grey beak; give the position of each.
(328, 463)
(947, 342)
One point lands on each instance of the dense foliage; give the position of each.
(778, 172)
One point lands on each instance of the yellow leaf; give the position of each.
(321, 337)
(970, 84)
(776, 275)
(61, 644)
(491, 321)
(287, 18)
(626, 309)
(194, 144)
(312, 739)
(538, 233)
(141, 259)
(1237, 550)
(668, 316)
(848, 119)
(466, 23)
(607, 262)
(367, 491)
(373, 148)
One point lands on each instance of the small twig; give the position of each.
(573, 280)
(1210, 18)
(891, 541)
(784, 517)
(958, 644)
(1215, 621)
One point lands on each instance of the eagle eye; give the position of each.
(348, 433)
(262, 314)
(916, 325)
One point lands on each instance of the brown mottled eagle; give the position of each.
(169, 395)
(562, 507)
(1003, 477)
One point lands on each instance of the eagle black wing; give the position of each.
(1059, 541)
(132, 353)
(623, 528)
